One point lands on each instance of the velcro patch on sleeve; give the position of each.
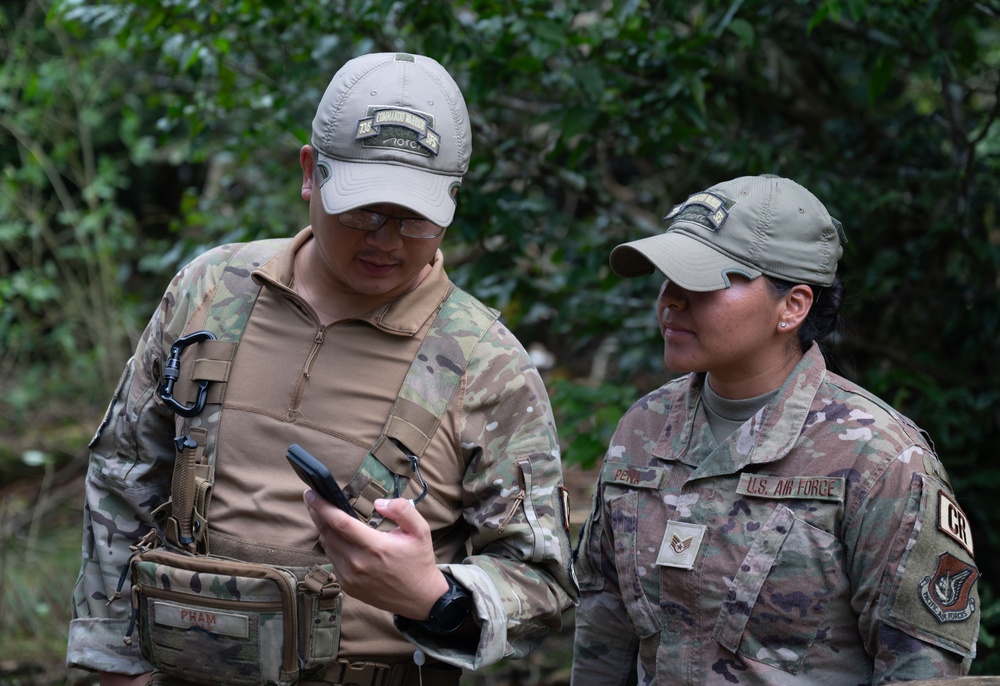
(953, 522)
(934, 595)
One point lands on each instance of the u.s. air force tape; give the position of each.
(794, 487)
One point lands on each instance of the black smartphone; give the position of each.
(319, 478)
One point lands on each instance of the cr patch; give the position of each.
(953, 522)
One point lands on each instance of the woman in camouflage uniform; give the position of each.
(761, 520)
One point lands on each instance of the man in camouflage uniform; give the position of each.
(800, 532)
(476, 570)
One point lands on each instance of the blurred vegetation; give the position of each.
(133, 135)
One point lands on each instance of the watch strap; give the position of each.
(449, 613)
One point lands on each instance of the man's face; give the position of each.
(381, 263)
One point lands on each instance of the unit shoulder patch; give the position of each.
(947, 593)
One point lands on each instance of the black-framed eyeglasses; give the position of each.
(366, 220)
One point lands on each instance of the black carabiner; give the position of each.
(172, 371)
(415, 465)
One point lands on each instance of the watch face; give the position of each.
(452, 609)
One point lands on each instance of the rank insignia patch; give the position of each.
(946, 593)
(680, 545)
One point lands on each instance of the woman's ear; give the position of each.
(307, 160)
(796, 304)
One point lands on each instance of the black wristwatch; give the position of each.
(448, 614)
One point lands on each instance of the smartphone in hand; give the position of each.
(318, 477)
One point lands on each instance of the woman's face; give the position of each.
(733, 334)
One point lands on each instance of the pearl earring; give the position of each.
(783, 324)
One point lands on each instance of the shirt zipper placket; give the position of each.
(300, 389)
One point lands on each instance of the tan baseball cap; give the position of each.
(752, 225)
(392, 128)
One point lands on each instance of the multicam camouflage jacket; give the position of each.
(496, 506)
(821, 543)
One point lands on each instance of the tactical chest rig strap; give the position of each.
(211, 361)
(394, 457)
(203, 374)
(431, 382)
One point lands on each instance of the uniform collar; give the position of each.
(766, 437)
(403, 316)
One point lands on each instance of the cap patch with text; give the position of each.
(399, 129)
(708, 208)
(392, 128)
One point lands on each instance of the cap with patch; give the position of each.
(751, 225)
(392, 128)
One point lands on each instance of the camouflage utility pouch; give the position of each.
(214, 620)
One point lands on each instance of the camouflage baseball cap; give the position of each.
(752, 225)
(392, 128)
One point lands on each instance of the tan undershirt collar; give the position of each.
(726, 415)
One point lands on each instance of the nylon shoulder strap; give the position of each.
(437, 370)
(226, 314)
(228, 294)
(431, 382)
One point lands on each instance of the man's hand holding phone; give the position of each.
(393, 570)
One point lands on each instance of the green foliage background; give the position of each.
(133, 135)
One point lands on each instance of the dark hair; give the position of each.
(824, 315)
